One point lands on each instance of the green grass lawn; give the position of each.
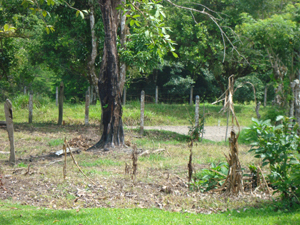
(17, 214)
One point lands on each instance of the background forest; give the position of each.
(265, 33)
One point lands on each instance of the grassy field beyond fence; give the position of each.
(160, 114)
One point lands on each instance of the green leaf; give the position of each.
(175, 55)
(6, 27)
(132, 22)
(81, 14)
(44, 13)
(135, 16)
(137, 23)
(279, 118)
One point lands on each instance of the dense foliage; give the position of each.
(278, 147)
(40, 46)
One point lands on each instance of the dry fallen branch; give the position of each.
(65, 162)
(264, 180)
(75, 162)
(134, 163)
(56, 161)
(147, 152)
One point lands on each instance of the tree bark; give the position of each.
(91, 63)
(110, 83)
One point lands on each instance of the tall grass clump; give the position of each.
(22, 101)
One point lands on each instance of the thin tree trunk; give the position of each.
(91, 64)
(110, 83)
(123, 67)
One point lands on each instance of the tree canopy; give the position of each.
(170, 47)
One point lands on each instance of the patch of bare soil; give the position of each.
(39, 178)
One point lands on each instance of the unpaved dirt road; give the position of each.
(214, 133)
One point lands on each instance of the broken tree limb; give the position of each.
(75, 162)
(65, 162)
(53, 162)
(10, 129)
(264, 180)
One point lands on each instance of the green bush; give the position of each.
(272, 113)
(279, 147)
(247, 135)
(208, 179)
(21, 101)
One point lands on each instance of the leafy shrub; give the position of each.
(41, 100)
(208, 179)
(247, 135)
(272, 113)
(278, 146)
(22, 101)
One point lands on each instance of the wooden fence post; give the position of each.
(124, 96)
(87, 106)
(191, 96)
(197, 111)
(156, 95)
(10, 129)
(142, 112)
(30, 107)
(56, 96)
(61, 102)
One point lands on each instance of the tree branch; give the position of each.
(214, 19)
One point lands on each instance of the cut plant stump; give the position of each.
(234, 180)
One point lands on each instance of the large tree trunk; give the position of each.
(110, 83)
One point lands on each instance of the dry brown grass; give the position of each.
(161, 179)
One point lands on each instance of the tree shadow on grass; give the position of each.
(271, 213)
(51, 127)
